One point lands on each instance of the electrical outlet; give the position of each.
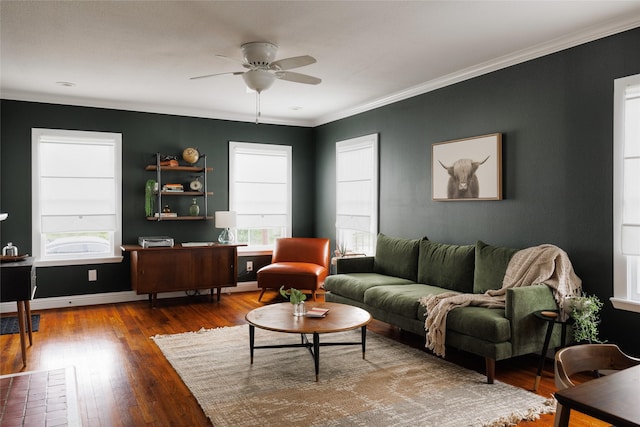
(249, 265)
(93, 275)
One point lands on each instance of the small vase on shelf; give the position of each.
(194, 209)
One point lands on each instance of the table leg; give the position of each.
(561, 419)
(316, 353)
(364, 340)
(545, 348)
(252, 336)
(21, 325)
(27, 309)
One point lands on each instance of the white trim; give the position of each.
(622, 295)
(625, 304)
(246, 251)
(87, 261)
(111, 298)
(596, 32)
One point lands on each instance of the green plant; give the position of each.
(293, 295)
(585, 315)
(342, 249)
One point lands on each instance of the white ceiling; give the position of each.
(139, 55)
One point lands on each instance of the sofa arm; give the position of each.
(527, 331)
(357, 264)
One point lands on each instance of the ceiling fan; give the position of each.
(263, 70)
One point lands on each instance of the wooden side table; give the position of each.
(552, 317)
(19, 284)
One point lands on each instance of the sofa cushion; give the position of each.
(396, 257)
(487, 324)
(490, 266)
(400, 299)
(446, 266)
(354, 285)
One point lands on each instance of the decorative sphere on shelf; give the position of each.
(190, 155)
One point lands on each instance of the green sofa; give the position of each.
(402, 271)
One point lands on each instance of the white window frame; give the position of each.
(363, 142)
(626, 269)
(282, 150)
(37, 238)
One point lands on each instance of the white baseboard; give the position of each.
(110, 298)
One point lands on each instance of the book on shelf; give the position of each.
(166, 214)
(317, 312)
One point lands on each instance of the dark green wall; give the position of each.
(143, 134)
(556, 117)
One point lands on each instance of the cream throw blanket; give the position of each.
(546, 264)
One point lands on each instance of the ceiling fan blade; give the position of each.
(235, 73)
(234, 60)
(297, 77)
(294, 62)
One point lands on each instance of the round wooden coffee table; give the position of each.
(280, 318)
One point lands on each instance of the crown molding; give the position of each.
(146, 108)
(594, 33)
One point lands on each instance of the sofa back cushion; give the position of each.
(396, 257)
(446, 266)
(491, 264)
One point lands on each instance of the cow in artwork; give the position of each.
(463, 182)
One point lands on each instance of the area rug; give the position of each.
(9, 325)
(396, 385)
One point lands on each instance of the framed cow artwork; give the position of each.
(467, 169)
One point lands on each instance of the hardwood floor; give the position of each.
(123, 379)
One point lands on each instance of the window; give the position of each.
(626, 194)
(76, 197)
(357, 194)
(260, 192)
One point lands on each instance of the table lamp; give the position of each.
(226, 220)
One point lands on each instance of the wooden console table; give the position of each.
(178, 268)
(19, 284)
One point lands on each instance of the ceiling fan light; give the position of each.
(258, 80)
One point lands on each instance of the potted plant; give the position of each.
(296, 298)
(341, 250)
(584, 312)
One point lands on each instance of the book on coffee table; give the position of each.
(317, 312)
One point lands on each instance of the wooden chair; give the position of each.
(297, 262)
(586, 358)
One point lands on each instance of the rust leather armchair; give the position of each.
(297, 262)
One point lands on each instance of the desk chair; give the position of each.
(587, 358)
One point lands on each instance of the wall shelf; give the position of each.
(182, 171)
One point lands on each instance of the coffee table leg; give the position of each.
(252, 336)
(364, 339)
(316, 352)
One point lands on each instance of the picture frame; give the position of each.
(467, 169)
